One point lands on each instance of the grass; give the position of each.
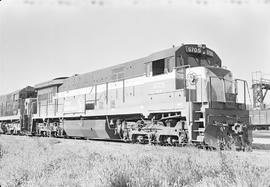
(46, 162)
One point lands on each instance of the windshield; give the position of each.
(195, 61)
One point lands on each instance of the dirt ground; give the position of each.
(261, 139)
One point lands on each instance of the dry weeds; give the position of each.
(46, 162)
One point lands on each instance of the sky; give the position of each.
(44, 39)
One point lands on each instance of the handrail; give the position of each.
(235, 80)
(178, 67)
(189, 91)
(245, 84)
(248, 93)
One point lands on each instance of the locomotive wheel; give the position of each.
(138, 139)
(168, 140)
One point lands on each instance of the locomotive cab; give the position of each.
(214, 97)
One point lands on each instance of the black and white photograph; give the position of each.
(134, 93)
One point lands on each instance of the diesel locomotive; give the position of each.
(172, 97)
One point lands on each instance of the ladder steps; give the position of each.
(199, 121)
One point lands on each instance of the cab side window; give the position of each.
(180, 61)
(158, 67)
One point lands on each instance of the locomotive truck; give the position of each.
(172, 97)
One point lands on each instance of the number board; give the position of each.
(199, 50)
